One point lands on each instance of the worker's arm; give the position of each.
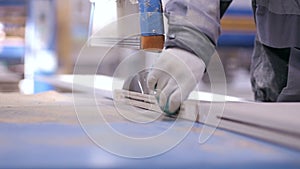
(194, 26)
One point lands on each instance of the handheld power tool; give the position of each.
(151, 40)
(151, 37)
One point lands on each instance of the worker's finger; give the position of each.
(174, 101)
(162, 82)
(152, 80)
(166, 93)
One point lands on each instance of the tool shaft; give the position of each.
(151, 24)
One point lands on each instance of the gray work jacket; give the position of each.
(278, 22)
(194, 25)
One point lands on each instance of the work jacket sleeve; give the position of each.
(193, 25)
(278, 22)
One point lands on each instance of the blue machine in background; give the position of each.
(46, 28)
(151, 17)
(237, 25)
(11, 49)
(40, 57)
(30, 26)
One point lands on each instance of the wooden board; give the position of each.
(53, 107)
(275, 122)
(188, 110)
(271, 135)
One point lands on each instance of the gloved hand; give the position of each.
(174, 75)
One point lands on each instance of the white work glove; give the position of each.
(174, 75)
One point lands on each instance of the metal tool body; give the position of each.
(152, 40)
(151, 24)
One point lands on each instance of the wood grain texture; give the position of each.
(188, 110)
(281, 138)
(274, 122)
(53, 107)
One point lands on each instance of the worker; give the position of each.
(194, 27)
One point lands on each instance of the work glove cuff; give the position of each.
(190, 40)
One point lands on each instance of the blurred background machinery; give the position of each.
(13, 16)
(39, 38)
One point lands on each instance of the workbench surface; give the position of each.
(47, 134)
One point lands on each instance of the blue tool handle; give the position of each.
(151, 17)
